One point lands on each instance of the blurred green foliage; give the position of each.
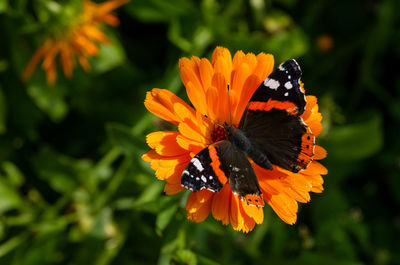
(73, 187)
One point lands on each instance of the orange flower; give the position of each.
(80, 39)
(206, 85)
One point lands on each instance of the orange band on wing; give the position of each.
(307, 149)
(290, 107)
(215, 164)
(254, 200)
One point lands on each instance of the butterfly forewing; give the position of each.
(280, 138)
(281, 90)
(273, 122)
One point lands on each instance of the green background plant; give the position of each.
(73, 187)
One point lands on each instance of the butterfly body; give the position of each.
(271, 132)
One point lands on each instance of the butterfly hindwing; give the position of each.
(218, 164)
(242, 178)
(200, 174)
(281, 90)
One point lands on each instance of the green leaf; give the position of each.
(9, 198)
(165, 217)
(110, 56)
(14, 175)
(122, 137)
(3, 112)
(50, 100)
(356, 141)
(3, 6)
(60, 171)
(186, 256)
(158, 10)
(206, 261)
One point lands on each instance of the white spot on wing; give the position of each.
(288, 85)
(286, 94)
(281, 68)
(236, 169)
(271, 83)
(203, 178)
(197, 164)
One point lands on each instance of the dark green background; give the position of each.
(73, 189)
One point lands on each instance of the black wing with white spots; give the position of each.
(283, 84)
(199, 173)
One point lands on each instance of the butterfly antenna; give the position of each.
(229, 107)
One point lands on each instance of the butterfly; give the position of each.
(271, 132)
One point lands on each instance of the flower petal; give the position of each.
(164, 143)
(265, 65)
(172, 189)
(285, 207)
(161, 103)
(197, 210)
(220, 204)
(257, 213)
(319, 152)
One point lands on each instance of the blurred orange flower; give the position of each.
(80, 39)
(206, 86)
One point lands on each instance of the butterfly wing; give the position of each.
(203, 172)
(281, 90)
(273, 122)
(283, 138)
(219, 163)
(242, 178)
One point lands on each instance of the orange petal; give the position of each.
(166, 166)
(197, 211)
(238, 59)
(315, 168)
(161, 102)
(250, 86)
(184, 112)
(164, 142)
(314, 122)
(191, 79)
(311, 102)
(206, 73)
(285, 207)
(171, 189)
(239, 219)
(239, 76)
(265, 65)
(220, 204)
(319, 152)
(188, 129)
(190, 145)
(212, 102)
(257, 213)
(219, 82)
(222, 63)
(30, 67)
(204, 195)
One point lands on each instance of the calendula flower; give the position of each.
(79, 40)
(206, 86)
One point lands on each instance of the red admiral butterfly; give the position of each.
(271, 132)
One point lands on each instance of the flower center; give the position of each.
(218, 134)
